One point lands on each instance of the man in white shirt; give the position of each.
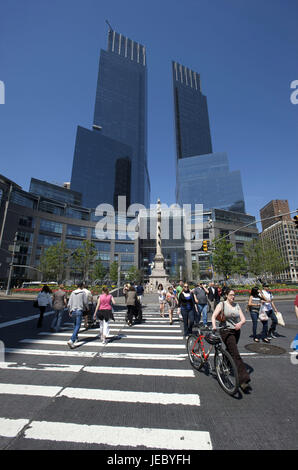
(77, 304)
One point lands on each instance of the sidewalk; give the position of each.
(148, 299)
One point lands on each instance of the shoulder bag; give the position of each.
(221, 316)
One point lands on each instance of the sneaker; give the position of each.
(70, 344)
(274, 335)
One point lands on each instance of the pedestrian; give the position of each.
(179, 288)
(162, 299)
(104, 312)
(186, 303)
(88, 314)
(77, 304)
(172, 302)
(296, 306)
(131, 300)
(269, 306)
(232, 321)
(59, 303)
(140, 292)
(43, 299)
(201, 299)
(224, 290)
(254, 305)
(213, 296)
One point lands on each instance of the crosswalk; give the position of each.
(137, 391)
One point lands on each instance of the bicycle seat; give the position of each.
(212, 338)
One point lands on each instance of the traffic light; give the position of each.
(205, 245)
(296, 221)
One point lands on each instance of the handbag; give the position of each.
(280, 319)
(262, 314)
(221, 316)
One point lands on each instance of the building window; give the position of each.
(50, 226)
(46, 206)
(48, 240)
(77, 231)
(124, 248)
(25, 221)
(76, 214)
(22, 199)
(25, 237)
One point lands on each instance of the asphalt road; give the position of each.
(139, 391)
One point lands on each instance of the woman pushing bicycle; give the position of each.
(232, 319)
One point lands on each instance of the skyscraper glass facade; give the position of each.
(191, 113)
(116, 148)
(202, 177)
(207, 180)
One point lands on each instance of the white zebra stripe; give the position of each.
(119, 436)
(12, 427)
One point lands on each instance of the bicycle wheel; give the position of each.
(194, 351)
(226, 372)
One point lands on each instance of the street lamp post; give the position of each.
(11, 264)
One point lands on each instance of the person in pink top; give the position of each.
(104, 313)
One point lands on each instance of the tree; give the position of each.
(114, 271)
(195, 271)
(224, 258)
(263, 258)
(53, 262)
(134, 274)
(83, 258)
(99, 271)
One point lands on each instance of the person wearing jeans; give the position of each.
(187, 304)
(201, 299)
(270, 309)
(254, 304)
(59, 303)
(77, 304)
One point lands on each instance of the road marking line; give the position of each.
(24, 319)
(113, 344)
(12, 427)
(101, 395)
(98, 369)
(23, 389)
(166, 357)
(119, 436)
(42, 367)
(49, 352)
(130, 396)
(96, 335)
(140, 371)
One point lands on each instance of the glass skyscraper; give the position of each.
(111, 159)
(202, 177)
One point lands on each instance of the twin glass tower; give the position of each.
(111, 159)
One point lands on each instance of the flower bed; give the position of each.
(278, 291)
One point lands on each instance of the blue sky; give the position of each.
(245, 50)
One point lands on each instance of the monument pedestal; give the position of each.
(158, 274)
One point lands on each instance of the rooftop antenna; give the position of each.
(109, 25)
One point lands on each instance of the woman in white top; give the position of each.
(232, 321)
(162, 299)
(43, 299)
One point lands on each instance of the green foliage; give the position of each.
(134, 274)
(83, 258)
(114, 271)
(263, 258)
(53, 262)
(99, 271)
(224, 259)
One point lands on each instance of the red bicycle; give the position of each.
(199, 348)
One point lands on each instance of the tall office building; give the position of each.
(202, 177)
(111, 159)
(275, 207)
